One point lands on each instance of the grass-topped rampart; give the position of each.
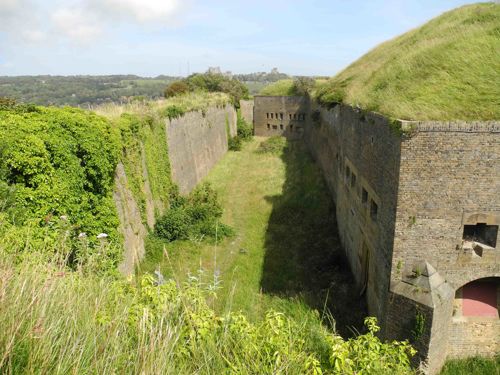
(447, 69)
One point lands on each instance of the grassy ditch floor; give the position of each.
(285, 254)
(473, 366)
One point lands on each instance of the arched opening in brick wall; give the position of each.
(479, 298)
(475, 322)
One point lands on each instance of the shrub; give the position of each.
(58, 163)
(196, 215)
(176, 88)
(211, 83)
(173, 111)
(273, 145)
(244, 129)
(235, 143)
(174, 225)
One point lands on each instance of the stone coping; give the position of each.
(452, 126)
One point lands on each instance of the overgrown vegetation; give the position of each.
(56, 322)
(196, 216)
(244, 133)
(209, 82)
(472, 366)
(56, 171)
(299, 86)
(445, 70)
(273, 145)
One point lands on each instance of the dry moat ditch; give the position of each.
(286, 253)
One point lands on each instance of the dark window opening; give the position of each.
(267, 114)
(353, 180)
(295, 116)
(485, 234)
(268, 126)
(364, 196)
(281, 116)
(275, 127)
(291, 127)
(373, 210)
(276, 114)
(272, 115)
(290, 116)
(281, 126)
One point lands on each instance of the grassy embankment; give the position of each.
(447, 69)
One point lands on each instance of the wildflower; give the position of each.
(102, 235)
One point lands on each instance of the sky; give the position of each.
(178, 37)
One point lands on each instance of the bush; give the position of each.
(196, 215)
(174, 225)
(58, 163)
(235, 143)
(273, 145)
(176, 88)
(211, 83)
(244, 130)
(173, 111)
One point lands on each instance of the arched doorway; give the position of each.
(475, 324)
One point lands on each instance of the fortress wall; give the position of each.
(359, 152)
(280, 116)
(449, 177)
(196, 142)
(246, 108)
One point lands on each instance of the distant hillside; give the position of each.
(447, 69)
(81, 90)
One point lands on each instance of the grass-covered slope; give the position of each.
(447, 69)
(282, 87)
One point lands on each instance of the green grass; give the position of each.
(194, 101)
(282, 87)
(472, 366)
(447, 69)
(281, 211)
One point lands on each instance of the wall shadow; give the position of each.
(303, 256)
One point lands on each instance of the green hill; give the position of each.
(447, 69)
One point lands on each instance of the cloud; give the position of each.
(34, 36)
(141, 10)
(8, 6)
(76, 24)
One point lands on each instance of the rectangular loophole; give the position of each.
(364, 196)
(373, 210)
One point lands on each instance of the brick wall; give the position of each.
(347, 142)
(280, 115)
(450, 176)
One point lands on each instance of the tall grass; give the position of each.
(283, 87)
(193, 101)
(448, 69)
